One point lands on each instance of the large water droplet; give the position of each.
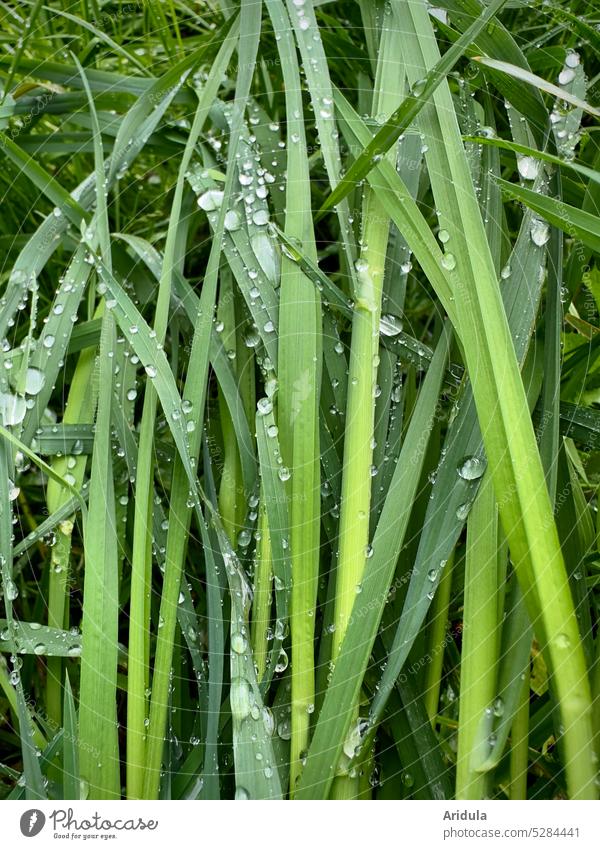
(239, 644)
(12, 408)
(232, 220)
(264, 406)
(260, 217)
(241, 794)
(240, 697)
(449, 261)
(471, 468)
(566, 76)
(11, 590)
(539, 231)
(390, 325)
(529, 167)
(34, 381)
(210, 200)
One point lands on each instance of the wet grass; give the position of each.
(299, 409)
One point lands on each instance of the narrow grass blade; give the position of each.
(575, 222)
(97, 707)
(538, 82)
(70, 762)
(334, 720)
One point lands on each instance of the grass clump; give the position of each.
(299, 431)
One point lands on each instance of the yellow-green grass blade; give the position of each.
(139, 646)
(363, 376)
(194, 394)
(338, 709)
(480, 641)
(299, 374)
(502, 409)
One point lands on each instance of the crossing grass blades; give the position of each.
(299, 405)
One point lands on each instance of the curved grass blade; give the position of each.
(33, 638)
(577, 223)
(539, 83)
(544, 156)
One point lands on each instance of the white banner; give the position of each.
(304, 825)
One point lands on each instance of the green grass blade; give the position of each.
(299, 375)
(576, 223)
(530, 532)
(402, 118)
(338, 708)
(70, 762)
(97, 707)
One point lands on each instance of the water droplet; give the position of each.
(449, 262)
(264, 406)
(407, 779)
(566, 76)
(244, 538)
(260, 217)
(540, 232)
(390, 325)
(418, 88)
(239, 644)
(471, 468)
(232, 220)
(284, 473)
(282, 661)
(529, 167)
(462, 511)
(34, 381)
(11, 590)
(210, 200)
(240, 698)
